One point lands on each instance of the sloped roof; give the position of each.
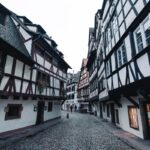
(10, 34)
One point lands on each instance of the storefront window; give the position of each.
(133, 118)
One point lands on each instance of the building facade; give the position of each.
(123, 63)
(92, 64)
(83, 88)
(32, 73)
(72, 100)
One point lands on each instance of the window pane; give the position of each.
(119, 58)
(124, 55)
(147, 31)
(133, 117)
(139, 40)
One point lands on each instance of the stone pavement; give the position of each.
(79, 132)
(127, 137)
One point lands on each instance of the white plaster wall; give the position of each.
(3, 82)
(24, 87)
(18, 85)
(128, 47)
(131, 16)
(122, 75)
(143, 64)
(40, 60)
(28, 116)
(97, 108)
(60, 73)
(127, 7)
(27, 72)
(54, 69)
(32, 28)
(124, 118)
(19, 68)
(33, 87)
(47, 65)
(139, 5)
(8, 65)
(115, 81)
(130, 74)
(56, 111)
(113, 62)
(34, 75)
(16, 23)
(109, 83)
(105, 113)
(28, 46)
(24, 33)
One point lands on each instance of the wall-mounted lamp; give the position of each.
(35, 108)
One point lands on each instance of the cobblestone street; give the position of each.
(79, 132)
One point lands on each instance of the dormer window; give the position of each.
(2, 18)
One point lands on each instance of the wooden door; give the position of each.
(40, 112)
(112, 111)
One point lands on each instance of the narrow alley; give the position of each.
(79, 132)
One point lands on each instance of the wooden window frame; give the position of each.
(50, 107)
(18, 116)
(137, 128)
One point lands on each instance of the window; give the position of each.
(72, 96)
(133, 120)
(121, 55)
(147, 31)
(139, 40)
(13, 111)
(101, 84)
(108, 68)
(50, 106)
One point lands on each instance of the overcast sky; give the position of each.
(67, 21)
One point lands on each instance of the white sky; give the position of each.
(67, 21)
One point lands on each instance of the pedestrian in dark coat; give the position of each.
(71, 108)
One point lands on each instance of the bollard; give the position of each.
(67, 116)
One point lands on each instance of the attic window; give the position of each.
(2, 18)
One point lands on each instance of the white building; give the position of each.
(83, 88)
(72, 100)
(123, 60)
(32, 73)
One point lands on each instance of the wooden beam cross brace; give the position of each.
(132, 101)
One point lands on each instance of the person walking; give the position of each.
(75, 107)
(71, 108)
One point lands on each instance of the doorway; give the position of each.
(40, 112)
(112, 111)
(101, 110)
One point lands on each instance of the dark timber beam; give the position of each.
(144, 94)
(118, 103)
(63, 102)
(132, 101)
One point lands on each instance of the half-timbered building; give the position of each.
(72, 84)
(83, 88)
(125, 41)
(32, 73)
(92, 64)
